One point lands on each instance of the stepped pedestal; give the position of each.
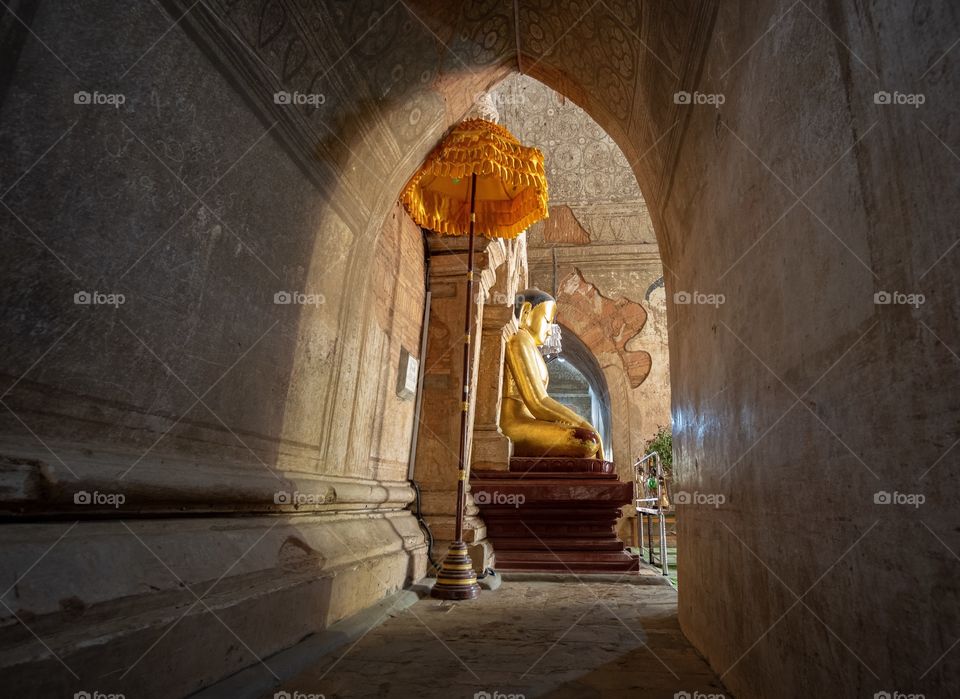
(555, 514)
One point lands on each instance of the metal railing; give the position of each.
(649, 507)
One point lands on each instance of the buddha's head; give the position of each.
(536, 311)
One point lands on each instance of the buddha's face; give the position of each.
(540, 319)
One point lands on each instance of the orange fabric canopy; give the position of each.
(511, 183)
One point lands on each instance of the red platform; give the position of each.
(555, 514)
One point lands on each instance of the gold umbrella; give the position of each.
(480, 179)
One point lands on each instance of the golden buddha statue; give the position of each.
(537, 424)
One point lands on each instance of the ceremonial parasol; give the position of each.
(479, 180)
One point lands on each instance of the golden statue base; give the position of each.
(456, 578)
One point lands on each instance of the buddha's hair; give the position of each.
(532, 296)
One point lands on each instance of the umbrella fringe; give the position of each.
(482, 148)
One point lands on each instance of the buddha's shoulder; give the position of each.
(521, 338)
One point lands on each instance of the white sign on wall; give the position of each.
(407, 375)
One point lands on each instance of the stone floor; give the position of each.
(527, 639)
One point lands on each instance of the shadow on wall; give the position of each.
(201, 448)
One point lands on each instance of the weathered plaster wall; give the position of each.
(800, 394)
(303, 382)
(200, 393)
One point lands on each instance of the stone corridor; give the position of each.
(248, 397)
(578, 639)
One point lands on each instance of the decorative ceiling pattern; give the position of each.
(584, 165)
(389, 77)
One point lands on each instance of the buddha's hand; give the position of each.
(589, 433)
(587, 426)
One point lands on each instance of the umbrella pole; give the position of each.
(467, 335)
(456, 578)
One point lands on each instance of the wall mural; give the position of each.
(604, 325)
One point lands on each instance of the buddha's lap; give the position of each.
(545, 430)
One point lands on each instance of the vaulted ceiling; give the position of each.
(394, 75)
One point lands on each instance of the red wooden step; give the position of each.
(524, 464)
(516, 543)
(557, 567)
(564, 561)
(591, 492)
(555, 515)
(486, 474)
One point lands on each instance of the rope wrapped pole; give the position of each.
(457, 579)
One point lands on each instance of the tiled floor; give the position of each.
(527, 639)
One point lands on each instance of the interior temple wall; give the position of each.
(251, 368)
(796, 396)
(800, 398)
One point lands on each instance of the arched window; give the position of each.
(577, 381)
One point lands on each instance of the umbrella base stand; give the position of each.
(456, 578)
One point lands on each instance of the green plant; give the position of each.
(662, 443)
